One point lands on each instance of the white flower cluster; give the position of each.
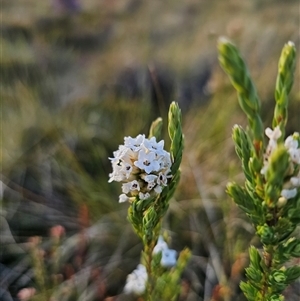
(168, 258)
(142, 165)
(136, 281)
(292, 146)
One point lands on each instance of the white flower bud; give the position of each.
(281, 202)
(168, 258)
(123, 198)
(160, 246)
(289, 193)
(295, 181)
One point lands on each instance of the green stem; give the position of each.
(268, 259)
(148, 263)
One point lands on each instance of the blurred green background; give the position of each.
(78, 76)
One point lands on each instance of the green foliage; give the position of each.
(176, 136)
(284, 83)
(243, 149)
(277, 170)
(163, 286)
(269, 197)
(237, 70)
(156, 128)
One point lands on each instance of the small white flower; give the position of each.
(142, 271)
(125, 154)
(158, 189)
(165, 161)
(168, 258)
(295, 155)
(136, 281)
(123, 198)
(134, 143)
(150, 186)
(289, 193)
(131, 186)
(144, 196)
(160, 245)
(162, 179)
(264, 169)
(116, 175)
(150, 178)
(290, 142)
(273, 134)
(295, 181)
(126, 169)
(152, 145)
(134, 285)
(147, 161)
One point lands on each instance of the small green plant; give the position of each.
(149, 176)
(271, 194)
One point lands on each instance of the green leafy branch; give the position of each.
(270, 196)
(146, 215)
